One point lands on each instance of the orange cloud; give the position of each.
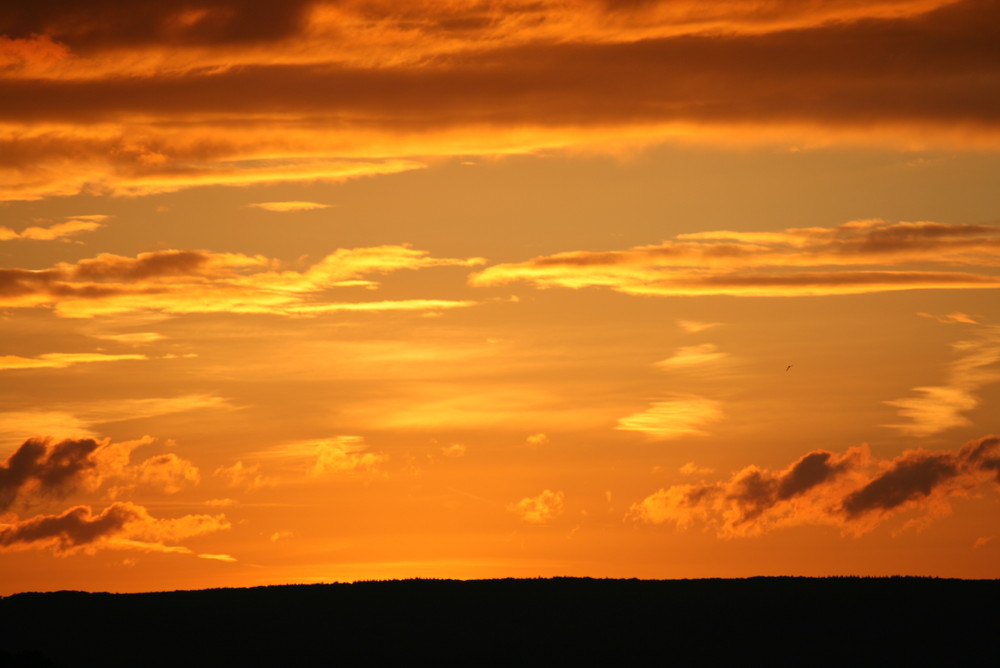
(59, 231)
(795, 262)
(539, 509)
(343, 454)
(60, 360)
(852, 491)
(281, 207)
(119, 526)
(44, 468)
(181, 281)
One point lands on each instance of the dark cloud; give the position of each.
(913, 477)
(106, 23)
(40, 466)
(826, 488)
(939, 67)
(755, 491)
(108, 267)
(75, 527)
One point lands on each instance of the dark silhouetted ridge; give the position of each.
(787, 621)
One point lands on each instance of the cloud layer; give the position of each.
(194, 281)
(98, 99)
(793, 262)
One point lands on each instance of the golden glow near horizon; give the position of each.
(319, 291)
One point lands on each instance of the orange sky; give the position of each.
(307, 291)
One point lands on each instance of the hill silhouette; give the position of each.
(757, 621)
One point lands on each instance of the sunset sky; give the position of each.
(325, 291)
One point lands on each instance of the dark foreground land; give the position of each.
(561, 621)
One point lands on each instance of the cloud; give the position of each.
(536, 440)
(343, 455)
(41, 467)
(281, 207)
(454, 450)
(337, 455)
(72, 227)
(45, 468)
(132, 103)
(689, 356)
(80, 418)
(694, 326)
(244, 477)
(60, 360)
(790, 263)
(951, 318)
(121, 525)
(673, 418)
(691, 468)
(941, 407)
(852, 491)
(184, 281)
(167, 473)
(539, 509)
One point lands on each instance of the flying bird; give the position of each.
(789, 367)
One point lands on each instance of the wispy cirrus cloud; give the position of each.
(283, 207)
(185, 281)
(60, 360)
(853, 491)
(336, 455)
(59, 231)
(937, 408)
(793, 262)
(673, 418)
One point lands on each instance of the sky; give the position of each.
(331, 291)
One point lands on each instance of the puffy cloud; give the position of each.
(673, 418)
(852, 491)
(167, 473)
(941, 407)
(119, 526)
(184, 281)
(343, 455)
(245, 477)
(281, 207)
(454, 450)
(43, 467)
(794, 262)
(154, 100)
(690, 468)
(539, 509)
(73, 226)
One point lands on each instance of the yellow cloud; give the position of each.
(673, 418)
(60, 360)
(796, 262)
(181, 281)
